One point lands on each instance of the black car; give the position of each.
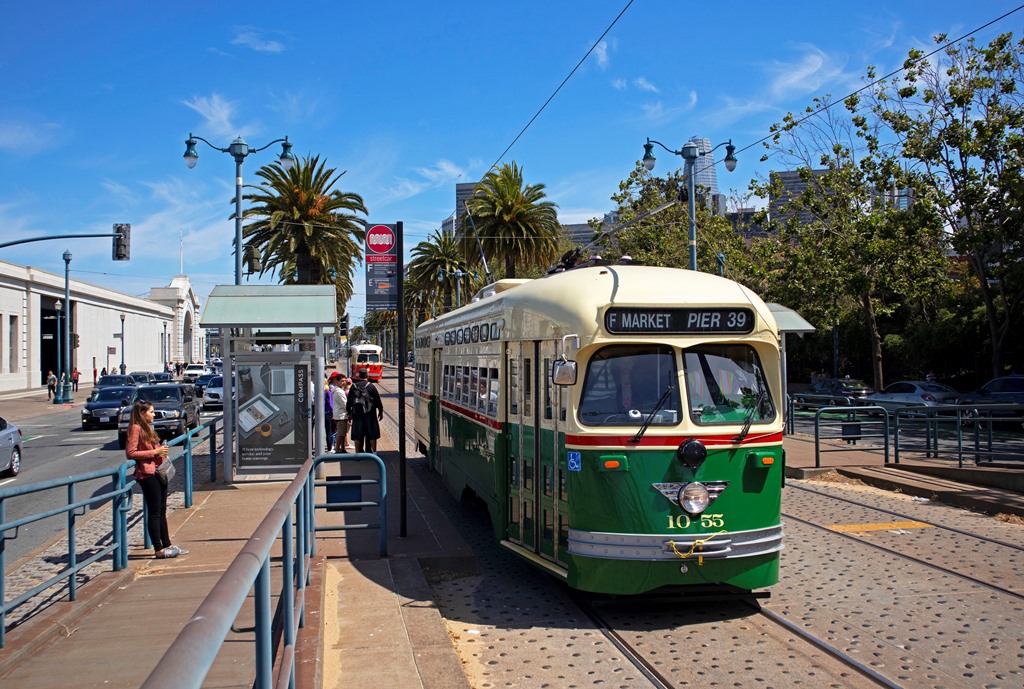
(831, 392)
(1008, 390)
(163, 377)
(201, 383)
(141, 377)
(112, 380)
(175, 409)
(105, 404)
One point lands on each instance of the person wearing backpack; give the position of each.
(363, 401)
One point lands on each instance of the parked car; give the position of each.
(174, 405)
(104, 405)
(201, 383)
(163, 377)
(831, 392)
(10, 448)
(142, 377)
(113, 380)
(213, 395)
(1005, 390)
(193, 371)
(912, 393)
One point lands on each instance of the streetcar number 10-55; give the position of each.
(707, 521)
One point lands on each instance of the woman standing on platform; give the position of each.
(144, 448)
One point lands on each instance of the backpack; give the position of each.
(362, 402)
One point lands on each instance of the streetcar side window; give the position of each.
(513, 382)
(474, 386)
(527, 388)
(548, 407)
(725, 384)
(492, 398)
(464, 377)
(625, 385)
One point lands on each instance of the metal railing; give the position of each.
(189, 659)
(853, 425)
(120, 497)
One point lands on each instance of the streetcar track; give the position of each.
(994, 541)
(911, 558)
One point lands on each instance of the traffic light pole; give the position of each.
(58, 236)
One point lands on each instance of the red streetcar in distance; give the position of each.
(364, 356)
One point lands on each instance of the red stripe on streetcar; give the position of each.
(470, 414)
(667, 440)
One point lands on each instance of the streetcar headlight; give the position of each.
(694, 498)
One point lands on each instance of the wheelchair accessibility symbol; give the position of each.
(575, 461)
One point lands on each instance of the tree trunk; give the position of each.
(510, 265)
(876, 340)
(997, 331)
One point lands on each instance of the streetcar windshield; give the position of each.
(371, 358)
(725, 384)
(625, 384)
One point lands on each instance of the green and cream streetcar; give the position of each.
(621, 422)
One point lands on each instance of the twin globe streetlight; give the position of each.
(690, 152)
(238, 149)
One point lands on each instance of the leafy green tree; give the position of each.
(433, 267)
(960, 119)
(662, 238)
(306, 231)
(844, 240)
(513, 221)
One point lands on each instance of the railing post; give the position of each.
(72, 546)
(3, 573)
(213, 450)
(264, 657)
(288, 590)
(188, 469)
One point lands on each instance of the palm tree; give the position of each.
(512, 219)
(434, 264)
(307, 232)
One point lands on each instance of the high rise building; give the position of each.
(704, 174)
(792, 185)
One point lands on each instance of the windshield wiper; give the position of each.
(761, 390)
(650, 417)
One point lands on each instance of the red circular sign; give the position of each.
(380, 239)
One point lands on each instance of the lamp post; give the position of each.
(122, 345)
(66, 394)
(690, 152)
(57, 398)
(458, 275)
(165, 347)
(238, 149)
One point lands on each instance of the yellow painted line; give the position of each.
(887, 526)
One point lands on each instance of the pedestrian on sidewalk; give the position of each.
(329, 412)
(148, 453)
(51, 385)
(365, 410)
(341, 386)
(75, 375)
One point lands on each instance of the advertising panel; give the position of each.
(273, 414)
(381, 268)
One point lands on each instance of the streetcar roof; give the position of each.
(573, 301)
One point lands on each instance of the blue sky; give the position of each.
(408, 97)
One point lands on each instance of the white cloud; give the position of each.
(216, 113)
(814, 71)
(620, 84)
(253, 38)
(443, 172)
(28, 138)
(658, 112)
(644, 85)
(601, 54)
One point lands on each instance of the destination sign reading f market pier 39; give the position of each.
(632, 320)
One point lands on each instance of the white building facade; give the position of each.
(161, 328)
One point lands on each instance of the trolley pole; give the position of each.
(402, 358)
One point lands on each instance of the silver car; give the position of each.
(10, 448)
(912, 393)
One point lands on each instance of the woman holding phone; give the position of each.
(144, 448)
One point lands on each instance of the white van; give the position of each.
(193, 371)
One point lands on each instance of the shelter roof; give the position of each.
(270, 307)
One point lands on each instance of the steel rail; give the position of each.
(888, 551)
(995, 541)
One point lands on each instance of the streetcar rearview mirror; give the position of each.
(563, 372)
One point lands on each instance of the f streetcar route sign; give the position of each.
(381, 268)
(623, 320)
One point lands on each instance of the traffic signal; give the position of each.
(343, 326)
(252, 260)
(122, 241)
(74, 340)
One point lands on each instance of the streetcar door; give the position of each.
(434, 410)
(522, 443)
(549, 473)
